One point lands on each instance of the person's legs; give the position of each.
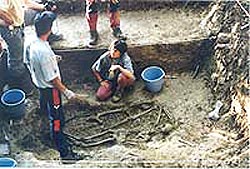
(57, 122)
(17, 74)
(3, 68)
(122, 82)
(91, 16)
(50, 103)
(114, 16)
(103, 93)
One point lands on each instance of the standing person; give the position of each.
(30, 14)
(91, 16)
(42, 64)
(11, 30)
(114, 71)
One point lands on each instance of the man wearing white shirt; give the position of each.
(42, 64)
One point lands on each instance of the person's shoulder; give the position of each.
(126, 56)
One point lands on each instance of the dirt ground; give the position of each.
(177, 137)
(174, 131)
(140, 27)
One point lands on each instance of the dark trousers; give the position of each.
(3, 69)
(50, 103)
(17, 75)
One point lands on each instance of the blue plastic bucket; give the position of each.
(13, 104)
(153, 77)
(7, 162)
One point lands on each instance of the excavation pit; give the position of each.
(126, 134)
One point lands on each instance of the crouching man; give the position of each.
(42, 64)
(114, 72)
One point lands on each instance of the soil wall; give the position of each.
(228, 25)
(70, 6)
(173, 58)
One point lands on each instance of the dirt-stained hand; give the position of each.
(105, 83)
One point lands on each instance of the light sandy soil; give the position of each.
(140, 27)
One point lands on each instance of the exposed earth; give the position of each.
(175, 130)
(144, 27)
(181, 135)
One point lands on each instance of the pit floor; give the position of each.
(191, 141)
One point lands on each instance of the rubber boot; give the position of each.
(118, 34)
(93, 37)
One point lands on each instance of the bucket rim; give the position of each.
(150, 67)
(10, 159)
(12, 104)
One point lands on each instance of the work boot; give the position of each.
(118, 33)
(55, 37)
(93, 37)
(117, 96)
(71, 158)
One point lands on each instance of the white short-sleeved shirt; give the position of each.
(42, 63)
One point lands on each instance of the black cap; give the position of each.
(121, 46)
(43, 22)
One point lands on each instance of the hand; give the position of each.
(105, 83)
(114, 67)
(69, 94)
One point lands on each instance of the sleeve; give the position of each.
(97, 65)
(127, 63)
(50, 68)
